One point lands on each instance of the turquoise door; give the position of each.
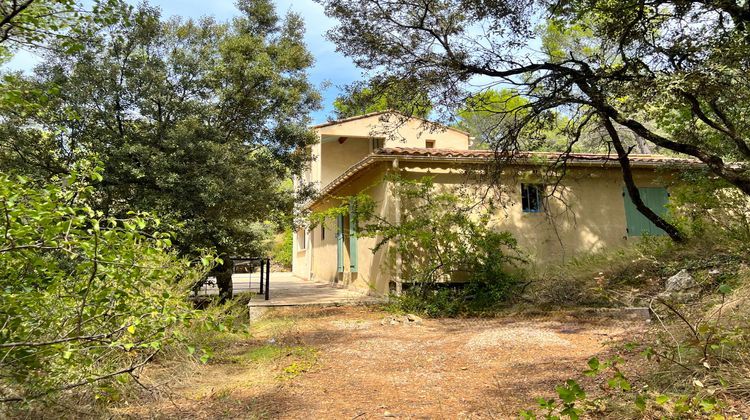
(340, 243)
(656, 199)
(352, 238)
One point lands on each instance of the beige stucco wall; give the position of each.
(343, 144)
(337, 157)
(373, 274)
(399, 132)
(586, 214)
(588, 217)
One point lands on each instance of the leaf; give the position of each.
(640, 401)
(527, 415)
(595, 367)
(131, 329)
(619, 381)
(662, 399)
(572, 412)
(708, 405)
(570, 392)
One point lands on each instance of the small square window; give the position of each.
(531, 198)
(430, 144)
(376, 143)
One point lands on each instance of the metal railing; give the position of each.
(208, 286)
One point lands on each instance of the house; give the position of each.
(354, 154)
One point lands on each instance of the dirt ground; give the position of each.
(361, 363)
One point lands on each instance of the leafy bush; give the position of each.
(87, 299)
(282, 249)
(704, 205)
(447, 237)
(473, 298)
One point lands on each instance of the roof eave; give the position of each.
(371, 159)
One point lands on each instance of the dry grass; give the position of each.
(343, 362)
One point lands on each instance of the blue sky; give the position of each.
(329, 66)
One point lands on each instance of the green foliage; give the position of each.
(491, 116)
(282, 250)
(379, 96)
(446, 237)
(692, 361)
(200, 121)
(709, 207)
(87, 298)
(671, 73)
(573, 402)
(34, 24)
(438, 301)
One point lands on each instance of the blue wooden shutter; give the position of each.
(340, 244)
(656, 199)
(352, 238)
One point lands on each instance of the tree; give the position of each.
(87, 299)
(681, 86)
(490, 115)
(378, 96)
(445, 235)
(31, 23)
(199, 121)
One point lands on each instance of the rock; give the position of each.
(388, 414)
(413, 318)
(681, 287)
(714, 272)
(681, 282)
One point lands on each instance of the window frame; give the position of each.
(429, 144)
(376, 143)
(526, 198)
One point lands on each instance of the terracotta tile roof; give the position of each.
(417, 154)
(549, 156)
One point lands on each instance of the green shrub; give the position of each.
(282, 249)
(704, 205)
(87, 299)
(447, 238)
(438, 301)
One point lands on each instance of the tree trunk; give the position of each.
(224, 278)
(635, 196)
